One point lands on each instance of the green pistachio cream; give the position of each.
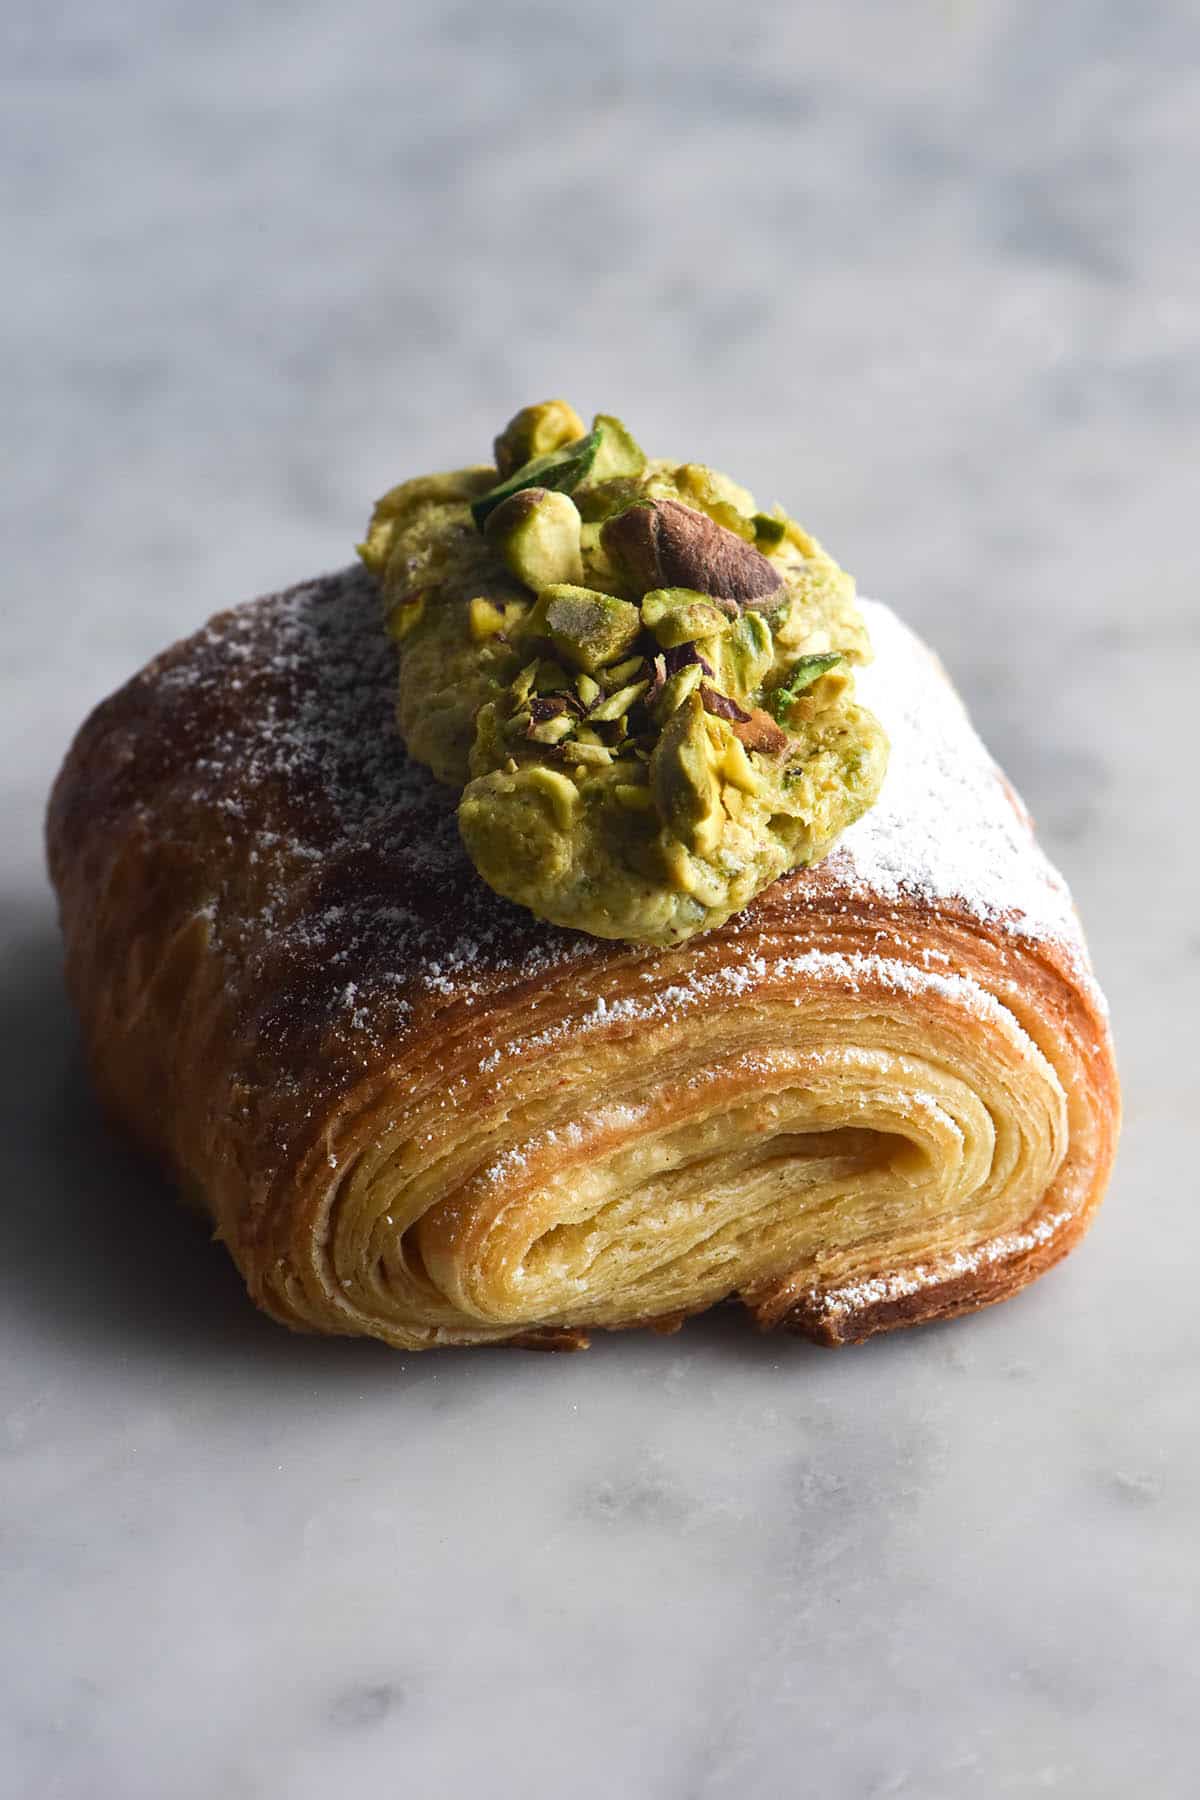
(642, 684)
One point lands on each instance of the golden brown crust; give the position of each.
(415, 1112)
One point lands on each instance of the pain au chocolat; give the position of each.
(882, 1093)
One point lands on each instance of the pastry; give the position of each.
(881, 1092)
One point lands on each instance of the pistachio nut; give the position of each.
(587, 628)
(800, 676)
(681, 616)
(663, 544)
(537, 532)
(686, 791)
(536, 431)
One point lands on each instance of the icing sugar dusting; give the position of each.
(945, 826)
(837, 1302)
(852, 971)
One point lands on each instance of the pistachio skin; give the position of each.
(664, 544)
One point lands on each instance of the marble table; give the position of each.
(927, 272)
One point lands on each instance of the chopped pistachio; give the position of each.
(685, 788)
(736, 767)
(536, 431)
(408, 503)
(697, 878)
(587, 689)
(621, 673)
(537, 532)
(747, 653)
(677, 689)
(561, 470)
(634, 799)
(768, 530)
(619, 452)
(618, 703)
(406, 614)
(720, 705)
(485, 618)
(761, 733)
(724, 501)
(801, 675)
(550, 731)
(551, 677)
(590, 629)
(521, 685)
(595, 754)
(558, 789)
(681, 616)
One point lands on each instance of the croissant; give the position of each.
(883, 1093)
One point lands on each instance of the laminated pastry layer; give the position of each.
(883, 1092)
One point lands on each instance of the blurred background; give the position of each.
(929, 273)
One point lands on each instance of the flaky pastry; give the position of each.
(881, 1094)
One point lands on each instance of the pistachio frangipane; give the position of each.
(642, 684)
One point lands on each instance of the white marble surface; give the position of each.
(929, 272)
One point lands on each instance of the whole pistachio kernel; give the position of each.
(587, 628)
(681, 616)
(535, 431)
(537, 532)
(663, 544)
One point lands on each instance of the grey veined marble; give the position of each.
(927, 271)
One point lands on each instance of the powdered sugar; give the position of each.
(836, 1303)
(853, 972)
(945, 826)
